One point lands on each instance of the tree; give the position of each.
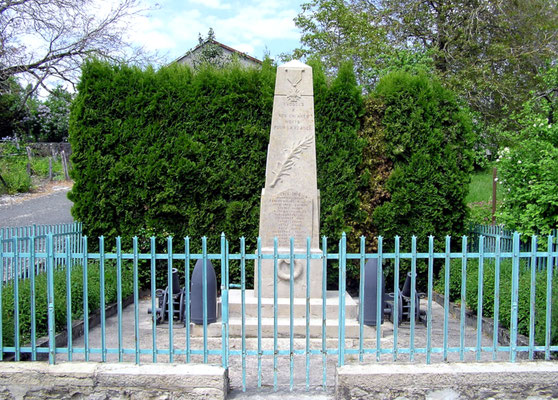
(336, 31)
(49, 119)
(49, 39)
(210, 52)
(488, 51)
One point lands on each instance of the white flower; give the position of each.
(495, 179)
(519, 161)
(549, 126)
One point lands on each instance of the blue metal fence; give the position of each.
(33, 239)
(492, 232)
(406, 341)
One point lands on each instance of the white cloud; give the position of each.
(216, 4)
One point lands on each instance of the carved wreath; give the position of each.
(283, 168)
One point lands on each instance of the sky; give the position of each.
(255, 27)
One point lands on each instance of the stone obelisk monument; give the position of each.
(290, 202)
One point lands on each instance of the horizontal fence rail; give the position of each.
(86, 282)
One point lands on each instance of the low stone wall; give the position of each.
(526, 380)
(75, 380)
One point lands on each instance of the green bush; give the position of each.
(60, 284)
(504, 318)
(429, 140)
(170, 152)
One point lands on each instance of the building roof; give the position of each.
(223, 46)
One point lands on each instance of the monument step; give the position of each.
(352, 328)
(283, 305)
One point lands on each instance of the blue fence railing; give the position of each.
(492, 232)
(265, 332)
(33, 238)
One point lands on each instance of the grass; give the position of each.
(479, 198)
(13, 170)
(480, 188)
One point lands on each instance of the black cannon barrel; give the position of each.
(196, 296)
(370, 295)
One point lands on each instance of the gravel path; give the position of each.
(48, 205)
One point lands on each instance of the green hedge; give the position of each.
(170, 152)
(505, 295)
(41, 306)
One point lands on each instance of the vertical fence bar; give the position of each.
(396, 292)
(16, 297)
(224, 302)
(3, 265)
(324, 312)
(463, 297)
(153, 298)
(429, 307)
(50, 300)
(102, 288)
(514, 297)
(33, 297)
(379, 299)
(548, 320)
(136, 298)
(119, 294)
(275, 348)
(259, 283)
(361, 299)
(171, 299)
(532, 296)
(342, 290)
(497, 255)
(480, 295)
(69, 299)
(204, 297)
(243, 307)
(308, 272)
(227, 284)
(291, 313)
(187, 296)
(447, 261)
(85, 302)
(412, 317)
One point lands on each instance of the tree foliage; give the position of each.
(529, 170)
(489, 51)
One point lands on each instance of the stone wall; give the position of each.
(78, 380)
(526, 380)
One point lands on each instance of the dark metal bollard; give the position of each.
(369, 297)
(196, 296)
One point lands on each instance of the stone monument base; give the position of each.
(283, 317)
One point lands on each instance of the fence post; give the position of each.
(50, 300)
(514, 296)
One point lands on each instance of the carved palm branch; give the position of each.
(283, 168)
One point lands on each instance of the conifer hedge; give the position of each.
(172, 152)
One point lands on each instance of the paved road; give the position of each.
(51, 208)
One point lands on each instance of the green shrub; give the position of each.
(60, 284)
(428, 138)
(504, 318)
